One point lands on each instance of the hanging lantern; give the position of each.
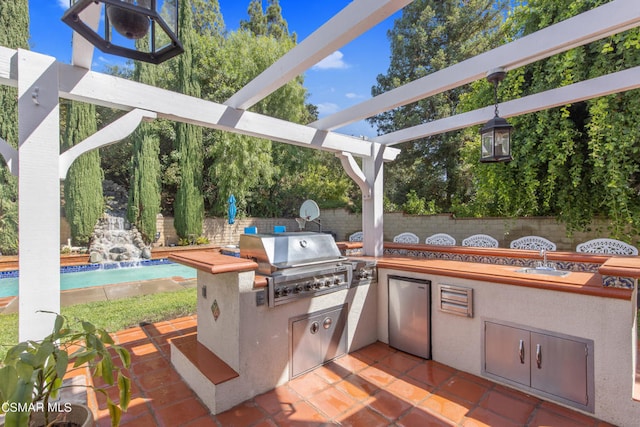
(126, 22)
(496, 133)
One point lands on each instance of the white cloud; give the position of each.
(325, 108)
(64, 4)
(352, 95)
(332, 62)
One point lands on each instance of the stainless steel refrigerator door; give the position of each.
(410, 315)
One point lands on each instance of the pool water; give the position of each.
(86, 279)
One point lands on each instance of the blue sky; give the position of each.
(343, 79)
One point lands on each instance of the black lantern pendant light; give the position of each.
(132, 20)
(496, 133)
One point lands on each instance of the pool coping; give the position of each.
(93, 267)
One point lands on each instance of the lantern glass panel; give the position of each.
(502, 148)
(168, 10)
(487, 144)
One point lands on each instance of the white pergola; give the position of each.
(41, 81)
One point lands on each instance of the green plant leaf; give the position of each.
(45, 350)
(114, 412)
(58, 324)
(124, 354)
(13, 354)
(23, 394)
(84, 357)
(88, 327)
(61, 364)
(105, 337)
(105, 369)
(55, 387)
(8, 382)
(24, 370)
(124, 384)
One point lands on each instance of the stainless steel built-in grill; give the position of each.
(297, 265)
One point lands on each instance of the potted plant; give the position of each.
(31, 374)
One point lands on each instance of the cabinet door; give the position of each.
(334, 334)
(559, 367)
(507, 353)
(307, 344)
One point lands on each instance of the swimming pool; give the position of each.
(87, 276)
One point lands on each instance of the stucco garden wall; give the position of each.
(343, 223)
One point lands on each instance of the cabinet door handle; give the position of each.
(315, 327)
(539, 355)
(521, 351)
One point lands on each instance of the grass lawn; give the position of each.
(114, 315)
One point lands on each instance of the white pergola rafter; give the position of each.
(79, 84)
(349, 23)
(617, 82)
(598, 23)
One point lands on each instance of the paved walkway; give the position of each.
(375, 386)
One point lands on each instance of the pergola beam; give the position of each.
(620, 81)
(79, 84)
(352, 21)
(611, 18)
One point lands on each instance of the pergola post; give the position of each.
(39, 192)
(372, 207)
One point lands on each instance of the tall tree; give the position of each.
(282, 176)
(84, 202)
(429, 36)
(268, 22)
(207, 20)
(144, 189)
(575, 162)
(189, 203)
(14, 33)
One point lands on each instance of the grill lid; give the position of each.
(279, 251)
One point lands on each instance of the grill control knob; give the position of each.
(297, 289)
(336, 280)
(285, 291)
(307, 286)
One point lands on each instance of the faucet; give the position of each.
(545, 265)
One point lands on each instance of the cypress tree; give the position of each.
(14, 33)
(84, 202)
(189, 203)
(144, 190)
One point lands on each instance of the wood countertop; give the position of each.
(212, 261)
(576, 282)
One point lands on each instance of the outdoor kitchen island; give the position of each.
(593, 309)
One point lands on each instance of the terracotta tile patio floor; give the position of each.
(374, 386)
